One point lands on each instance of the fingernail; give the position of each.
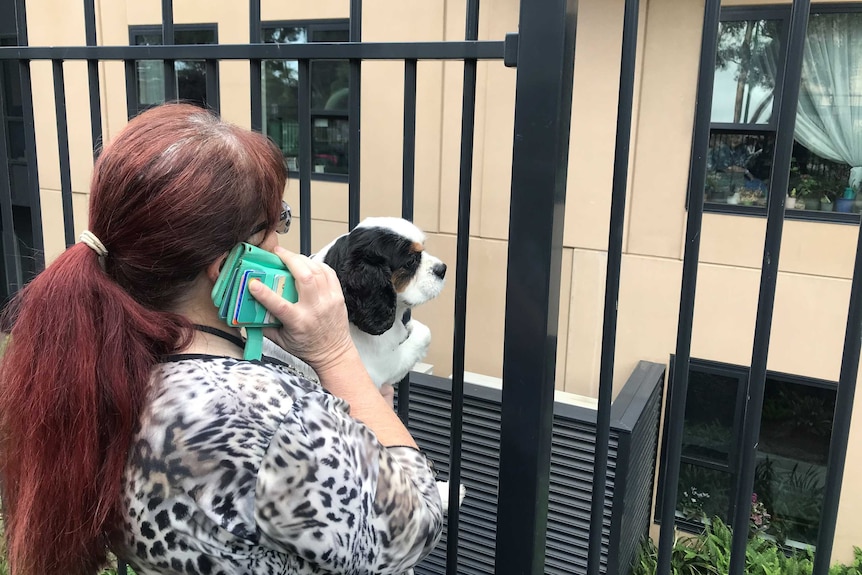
(280, 250)
(254, 285)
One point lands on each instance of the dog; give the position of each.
(385, 271)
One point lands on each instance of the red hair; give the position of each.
(176, 189)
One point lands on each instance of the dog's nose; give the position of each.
(439, 270)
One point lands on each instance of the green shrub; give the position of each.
(708, 553)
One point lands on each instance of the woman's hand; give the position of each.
(315, 329)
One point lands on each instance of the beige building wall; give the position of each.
(816, 259)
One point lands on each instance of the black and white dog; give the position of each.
(385, 271)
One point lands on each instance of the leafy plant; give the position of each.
(689, 557)
(807, 186)
(709, 554)
(798, 508)
(854, 568)
(760, 516)
(691, 504)
(715, 484)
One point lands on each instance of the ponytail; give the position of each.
(73, 381)
(175, 189)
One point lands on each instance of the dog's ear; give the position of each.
(370, 297)
(365, 281)
(337, 254)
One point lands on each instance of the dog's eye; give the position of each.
(412, 261)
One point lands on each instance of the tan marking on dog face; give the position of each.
(401, 278)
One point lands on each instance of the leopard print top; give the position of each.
(245, 467)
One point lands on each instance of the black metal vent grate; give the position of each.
(634, 436)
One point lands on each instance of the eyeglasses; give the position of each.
(283, 225)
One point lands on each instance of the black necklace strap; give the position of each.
(236, 340)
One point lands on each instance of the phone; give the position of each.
(237, 307)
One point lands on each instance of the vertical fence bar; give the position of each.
(63, 148)
(304, 158)
(10, 261)
(543, 113)
(408, 171)
(688, 287)
(841, 420)
(465, 188)
(38, 248)
(408, 190)
(768, 280)
(254, 65)
(213, 98)
(612, 282)
(93, 77)
(131, 87)
(355, 109)
(168, 40)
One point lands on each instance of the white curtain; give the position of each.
(829, 118)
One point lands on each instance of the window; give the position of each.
(191, 75)
(12, 116)
(12, 111)
(796, 426)
(827, 152)
(330, 97)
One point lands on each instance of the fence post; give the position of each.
(543, 111)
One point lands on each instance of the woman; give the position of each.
(129, 421)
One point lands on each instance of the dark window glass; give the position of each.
(329, 145)
(795, 431)
(790, 475)
(746, 66)
(738, 168)
(16, 149)
(13, 110)
(710, 411)
(285, 35)
(190, 74)
(739, 160)
(329, 85)
(826, 168)
(11, 79)
(280, 93)
(703, 493)
(826, 159)
(330, 96)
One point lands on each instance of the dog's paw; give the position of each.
(420, 336)
(443, 488)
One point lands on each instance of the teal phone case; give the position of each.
(237, 307)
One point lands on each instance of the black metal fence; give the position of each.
(543, 50)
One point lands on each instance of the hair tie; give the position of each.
(91, 241)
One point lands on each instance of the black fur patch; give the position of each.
(365, 261)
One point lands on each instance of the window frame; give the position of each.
(132, 82)
(312, 26)
(740, 372)
(780, 12)
(10, 118)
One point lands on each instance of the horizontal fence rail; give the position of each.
(449, 50)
